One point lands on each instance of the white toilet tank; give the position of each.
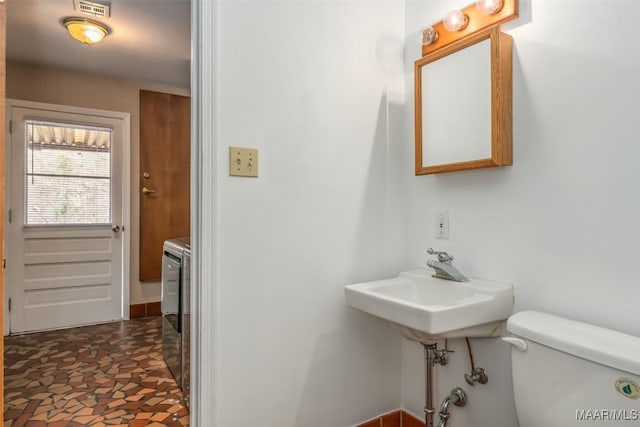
(568, 373)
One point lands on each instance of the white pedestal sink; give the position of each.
(427, 309)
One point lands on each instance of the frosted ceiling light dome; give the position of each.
(455, 20)
(86, 31)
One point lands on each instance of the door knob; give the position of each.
(146, 190)
(115, 228)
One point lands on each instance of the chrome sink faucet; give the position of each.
(443, 267)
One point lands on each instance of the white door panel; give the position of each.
(65, 272)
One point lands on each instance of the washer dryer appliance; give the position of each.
(173, 327)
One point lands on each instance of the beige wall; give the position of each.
(59, 86)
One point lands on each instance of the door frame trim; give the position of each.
(204, 219)
(126, 188)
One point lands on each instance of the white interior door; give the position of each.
(65, 240)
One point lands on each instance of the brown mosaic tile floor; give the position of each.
(100, 376)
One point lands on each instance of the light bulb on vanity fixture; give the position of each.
(429, 35)
(86, 31)
(455, 21)
(488, 7)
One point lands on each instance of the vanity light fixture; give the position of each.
(471, 19)
(85, 30)
(455, 21)
(429, 35)
(488, 7)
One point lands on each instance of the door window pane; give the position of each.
(68, 174)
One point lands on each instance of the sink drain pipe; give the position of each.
(458, 397)
(429, 361)
(432, 356)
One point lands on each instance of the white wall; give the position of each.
(317, 87)
(561, 224)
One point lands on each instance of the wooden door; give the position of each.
(165, 158)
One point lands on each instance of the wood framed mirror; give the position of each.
(463, 104)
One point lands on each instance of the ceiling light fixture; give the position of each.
(85, 30)
(455, 21)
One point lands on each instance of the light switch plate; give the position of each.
(243, 161)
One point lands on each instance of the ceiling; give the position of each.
(150, 40)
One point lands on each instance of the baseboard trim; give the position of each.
(145, 310)
(397, 418)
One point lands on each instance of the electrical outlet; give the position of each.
(442, 225)
(243, 161)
